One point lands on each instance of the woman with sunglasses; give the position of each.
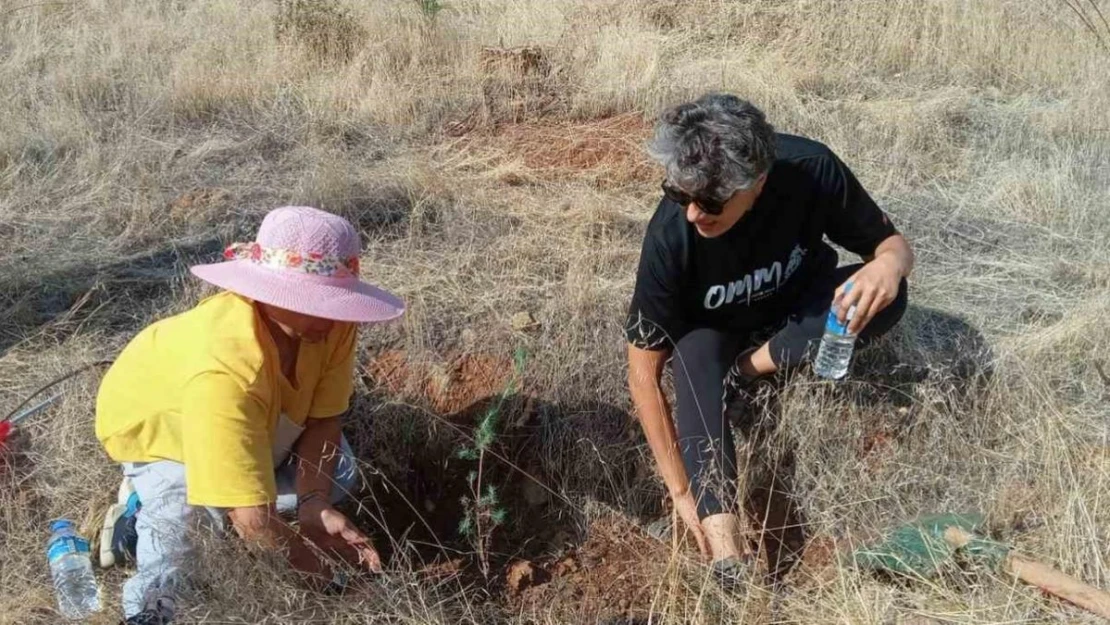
(735, 282)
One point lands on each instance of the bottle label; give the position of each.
(66, 545)
(833, 325)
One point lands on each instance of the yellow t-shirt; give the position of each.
(205, 388)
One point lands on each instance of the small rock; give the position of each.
(566, 566)
(521, 575)
(524, 320)
(513, 178)
(660, 529)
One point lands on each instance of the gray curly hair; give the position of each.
(714, 146)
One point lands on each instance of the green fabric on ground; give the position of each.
(918, 549)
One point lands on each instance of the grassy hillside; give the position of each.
(492, 154)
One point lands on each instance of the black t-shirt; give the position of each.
(752, 276)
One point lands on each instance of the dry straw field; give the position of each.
(491, 151)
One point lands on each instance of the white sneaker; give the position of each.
(117, 536)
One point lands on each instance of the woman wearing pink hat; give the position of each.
(232, 410)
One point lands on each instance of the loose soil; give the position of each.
(608, 151)
(429, 494)
(547, 554)
(451, 387)
(610, 577)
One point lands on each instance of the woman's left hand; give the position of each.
(874, 287)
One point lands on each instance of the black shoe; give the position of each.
(147, 617)
(161, 613)
(734, 573)
(745, 397)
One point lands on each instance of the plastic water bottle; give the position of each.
(836, 345)
(71, 567)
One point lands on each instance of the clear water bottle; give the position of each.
(836, 345)
(71, 567)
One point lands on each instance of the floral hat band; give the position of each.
(312, 263)
(304, 260)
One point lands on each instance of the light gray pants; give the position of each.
(164, 552)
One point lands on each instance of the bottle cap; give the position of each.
(58, 524)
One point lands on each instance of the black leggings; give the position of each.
(701, 367)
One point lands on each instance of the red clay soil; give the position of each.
(608, 150)
(606, 573)
(610, 576)
(818, 563)
(430, 480)
(876, 448)
(449, 387)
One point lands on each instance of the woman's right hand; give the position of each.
(331, 530)
(687, 509)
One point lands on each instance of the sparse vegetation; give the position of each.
(482, 513)
(493, 163)
(430, 8)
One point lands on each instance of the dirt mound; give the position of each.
(517, 83)
(610, 576)
(608, 151)
(450, 386)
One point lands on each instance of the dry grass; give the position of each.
(488, 152)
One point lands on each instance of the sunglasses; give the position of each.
(680, 197)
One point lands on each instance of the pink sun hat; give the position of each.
(305, 260)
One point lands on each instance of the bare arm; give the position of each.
(875, 286)
(317, 452)
(897, 250)
(262, 526)
(645, 369)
